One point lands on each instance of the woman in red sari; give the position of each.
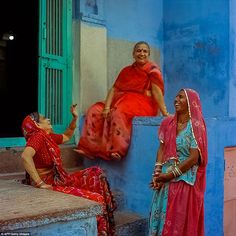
(179, 177)
(43, 164)
(137, 91)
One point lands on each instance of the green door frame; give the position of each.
(55, 65)
(55, 61)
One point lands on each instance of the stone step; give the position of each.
(10, 159)
(19, 176)
(42, 212)
(130, 224)
(119, 198)
(54, 213)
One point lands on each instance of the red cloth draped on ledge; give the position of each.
(132, 97)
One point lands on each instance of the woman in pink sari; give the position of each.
(137, 91)
(43, 164)
(180, 171)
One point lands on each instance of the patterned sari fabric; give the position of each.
(178, 207)
(89, 183)
(100, 137)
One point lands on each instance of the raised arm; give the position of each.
(159, 98)
(28, 162)
(71, 128)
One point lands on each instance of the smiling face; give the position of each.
(44, 123)
(180, 103)
(141, 53)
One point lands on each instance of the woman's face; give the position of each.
(180, 103)
(141, 54)
(45, 123)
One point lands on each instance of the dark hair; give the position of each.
(142, 42)
(35, 116)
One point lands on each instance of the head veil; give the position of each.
(33, 132)
(167, 131)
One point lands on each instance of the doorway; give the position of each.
(230, 191)
(18, 64)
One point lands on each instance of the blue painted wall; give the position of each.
(197, 42)
(232, 63)
(196, 51)
(135, 20)
(133, 174)
(128, 20)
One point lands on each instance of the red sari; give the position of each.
(100, 137)
(185, 204)
(89, 183)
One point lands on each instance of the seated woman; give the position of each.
(43, 163)
(137, 91)
(179, 178)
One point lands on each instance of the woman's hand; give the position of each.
(106, 112)
(73, 111)
(163, 177)
(156, 186)
(46, 186)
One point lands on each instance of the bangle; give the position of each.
(156, 172)
(39, 184)
(158, 164)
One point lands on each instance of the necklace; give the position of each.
(181, 124)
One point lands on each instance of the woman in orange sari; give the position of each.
(137, 91)
(43, 164)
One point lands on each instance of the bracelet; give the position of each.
(39, 184)
(156, 171)
(158, 164)
(176, 171)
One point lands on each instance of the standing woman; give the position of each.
(179, 177)
(137, 91)
(43, 164)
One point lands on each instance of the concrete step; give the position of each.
(54, 213)
(42, 212)
(10, 159)
(130, 224)
(119, 198)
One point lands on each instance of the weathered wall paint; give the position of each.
(120, 55)
(135, 20)
(93, 64)
(196, 51)
(122, 24)
(194, 40)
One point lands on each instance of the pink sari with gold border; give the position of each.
(184, 211)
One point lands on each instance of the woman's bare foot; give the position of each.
(115, 156)
(82, 153)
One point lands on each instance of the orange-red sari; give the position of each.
(100, 137)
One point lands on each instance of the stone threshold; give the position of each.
(25, 207)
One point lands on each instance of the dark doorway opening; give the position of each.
(18, 64)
